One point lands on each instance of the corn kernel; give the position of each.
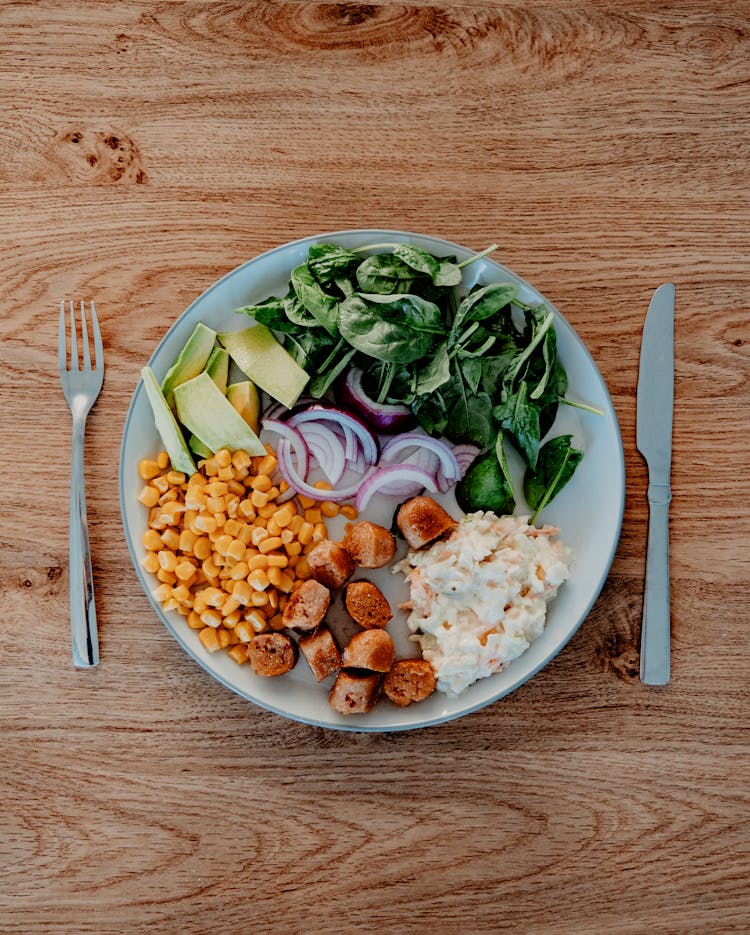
(236, 550)
(267, 465)
(243, 591)
(329, 509)
(348, 511)
(236, 488)
(225, 473)
(150, 562)
(239, 571)
(184, 571)
(170, 604)
(246, 509)
(210, 568)
(215, 504)
(313, 516)
(320, 532)
(161, 483)
(186, 541)
(273, 599)
(272, 526)
(176, 478)
(241, 460)
(296, 523)
(211, 618)
(266, 512)
(223, 637)
(194, 621)
(167, 560)
(244, 632)
(220, 520)
(162, 592)
(258, 498)
(231, 604)
(223, 458)
(162, 459)
(149, 496)
(257, 561)
(209, 639)
(232, 527)
(302, 568)
(202, 548)
(261, 483)
(169, 497)
(258, 535)
(276, 622)
(287, 536)
(181, 593)
(205, 523)
(284, 515)
(196, 480)
(245, 534)
(259, 598)
(257, 579)
(238, 654)
(286, 583)
(304, 536)
(277, 561)
(231, 620)
(256, 620)
(269, 544)
(152, 541)
(222, 544)
(147, 469)
(306, 502)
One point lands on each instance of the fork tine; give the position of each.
(85, 339)
(98, 347)
(62, 347)
(73, 338)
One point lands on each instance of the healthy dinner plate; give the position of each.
(588, 510)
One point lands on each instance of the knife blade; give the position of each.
(655, 406)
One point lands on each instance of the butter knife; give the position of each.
(654, 441)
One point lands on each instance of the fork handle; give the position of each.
(83, 628)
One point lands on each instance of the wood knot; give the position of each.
(98, 157)
(617, 624)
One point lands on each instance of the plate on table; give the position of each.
(588, 510)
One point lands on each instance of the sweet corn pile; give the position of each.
(225, 552)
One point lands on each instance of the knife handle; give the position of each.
(655, 631)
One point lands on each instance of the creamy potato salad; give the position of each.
(479, 598)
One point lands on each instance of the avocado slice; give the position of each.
(270, 366)
(207, 413)
(217, 367)
(198, 448)
(245, 398)
(166, 425)
(190, 361)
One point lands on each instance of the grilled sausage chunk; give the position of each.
(370, 649)
(370, 545)
(354, 692)
(272, 654)
(307, 605)
(409, 680)
(321, 652)
(330, 564)
(367, 604)
(422, 520)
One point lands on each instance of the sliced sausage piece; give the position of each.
(330, 564)
(370, 545)
(321, 652)
(307, 605)
(354, 691)
(367, 604)
(272, 654)
(370, 649)
(409, 680)
(422, 520)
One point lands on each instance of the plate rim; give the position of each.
(438, 719)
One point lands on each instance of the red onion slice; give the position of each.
(365, 438)
(444, 452)
(465, 455)
(384, 417)
(300, 485)
(295, 440)
(327, 448)
(393, 479)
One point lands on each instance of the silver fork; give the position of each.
(81, 385)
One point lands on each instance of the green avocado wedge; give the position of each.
(204, 410)
(167, 427)
(190, 361)
(217, 367)
(270, 366)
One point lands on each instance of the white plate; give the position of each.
(589, 510)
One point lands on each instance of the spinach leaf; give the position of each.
(328, 261)
(441, 272)
(485, 487)
(484, 302)
(323, 307)
(557, 462)
(519, 416)
(395, 329)
(471, 370)
(502, 460)
(271, 313)
(297, 313)
(328, 374)
(434, 373)
(385, 274)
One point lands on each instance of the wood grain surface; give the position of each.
(148, 148)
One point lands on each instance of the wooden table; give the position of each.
(146, 149)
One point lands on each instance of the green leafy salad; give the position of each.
(474, 365)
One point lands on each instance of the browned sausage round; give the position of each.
(330, 564)
(354, 692)
(409, 680)
(370, 545)
(367, 604)
(321, 652)
(307, 605)
(272, 654)
(370, 649)
(422, 520)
